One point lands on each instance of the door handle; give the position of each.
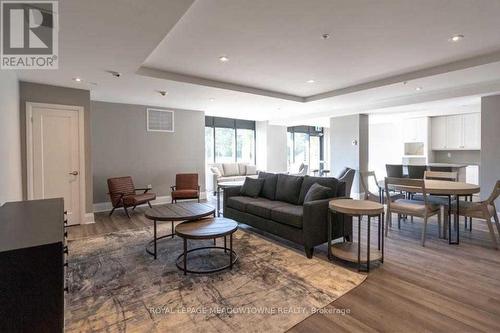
(74, 173)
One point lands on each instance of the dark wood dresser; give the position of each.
(32, 246)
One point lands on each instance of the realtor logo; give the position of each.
(29, 36)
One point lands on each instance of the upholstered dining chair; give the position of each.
(394, 170)
(369, 177)
(347, 176)
(186, 187)
(416, 171)
(482, 210)
(124, 194)
(423, 209)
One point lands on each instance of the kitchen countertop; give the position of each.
(31, 223)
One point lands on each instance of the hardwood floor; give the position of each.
(438, 288)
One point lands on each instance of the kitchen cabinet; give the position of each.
(456, 132)
(438, 133)
(415, 130)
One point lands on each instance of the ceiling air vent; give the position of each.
(160, 120)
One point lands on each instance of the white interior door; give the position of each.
(54, 149)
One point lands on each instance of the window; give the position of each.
(245, 145)
(209, 144)
(305, 145)
(301, 149)
(229, 140)
(225, 145)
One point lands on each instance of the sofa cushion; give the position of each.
(262, 207)
(239, 202)
(288, 188)
(269, 187)
(318, 192)
(230, 169)
(252, 187)
(242, 169)
(290, 215)
(329, 182)
(251, 170)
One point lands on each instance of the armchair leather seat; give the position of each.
(184, 194)
(138, 199)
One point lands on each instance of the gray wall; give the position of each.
(121, 146)
(42, 93)
(490, 145)
(461, 157)
(10, 139)
(343, 130)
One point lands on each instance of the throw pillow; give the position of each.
(251, 187)
(318, 192)
(251, 170)
(288, 188)
(216, 171)
(269, 188)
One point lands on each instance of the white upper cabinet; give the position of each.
(415, 130)
(454, 132)
(457, 132)
(438, 133)
(472, 131)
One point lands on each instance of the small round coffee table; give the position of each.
(182, 211)
(209, 228)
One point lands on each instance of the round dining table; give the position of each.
(441, 188)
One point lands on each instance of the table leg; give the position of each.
(185, 256)
(225, 244)
(359, 243)
(218, 201)
(329, 235)
(458, 219)
(154, 237)
(172, 229)
(449, 219)
(231, 251)
(378, 241)
(368, 247)
(382, 235)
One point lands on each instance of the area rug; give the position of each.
(115, 286)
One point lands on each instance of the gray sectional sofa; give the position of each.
(280, 209)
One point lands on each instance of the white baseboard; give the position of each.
(106, 206)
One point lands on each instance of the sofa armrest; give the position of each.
(315, 223)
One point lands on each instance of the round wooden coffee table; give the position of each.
(210, 228)
(182, 211)
(347, 250)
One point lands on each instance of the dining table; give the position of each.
(443, 188)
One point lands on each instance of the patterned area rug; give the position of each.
(115, 286)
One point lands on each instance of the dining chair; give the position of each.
(422, 209)
(416, 171)
(394, 170)
(347, 176)
(368, 178)
(482, 210)
(186, 187)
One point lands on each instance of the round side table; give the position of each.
(347, 250)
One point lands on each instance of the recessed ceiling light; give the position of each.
(456, 38)
(325, 36)
(310, 81)
(162, 92)
(77, 79)
(223, 59)
(212, 99)
(418, 88)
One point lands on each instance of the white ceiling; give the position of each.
(274, 47)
